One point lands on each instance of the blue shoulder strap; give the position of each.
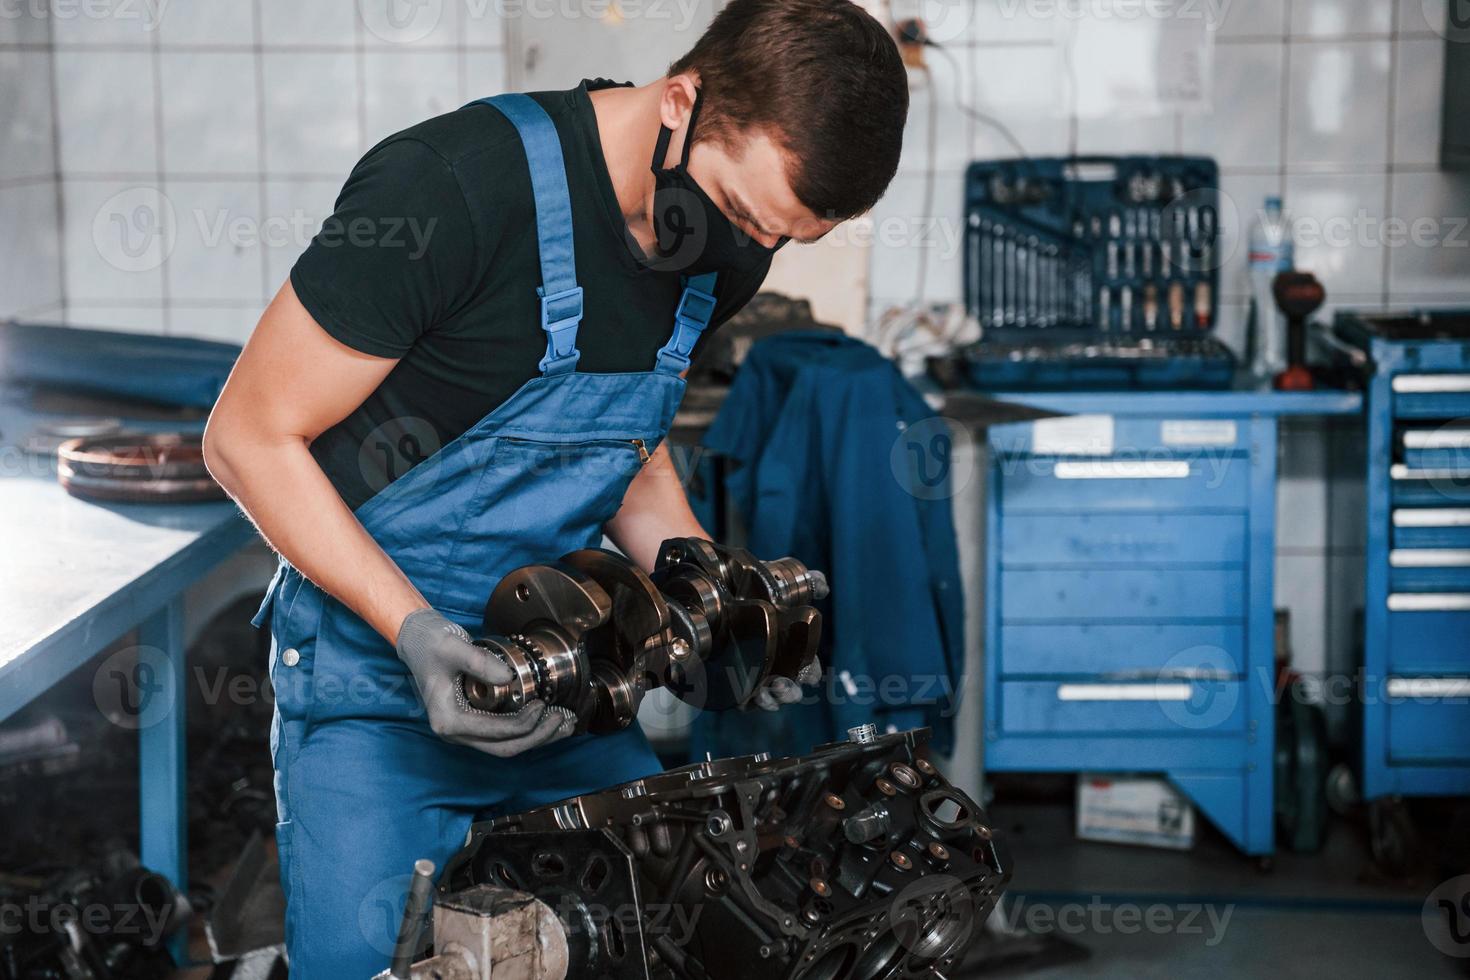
(696, 309)
(561, 297)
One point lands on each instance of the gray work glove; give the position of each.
(779, 691)
(438, 651)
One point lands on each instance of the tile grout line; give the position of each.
(263, 184)
(359, 58)
(161, 163)
(1389, 143)
(1285, 120)
(57, 171)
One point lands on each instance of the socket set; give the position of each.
(1095, 259)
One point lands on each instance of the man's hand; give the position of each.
(780, 691)
(438, 652)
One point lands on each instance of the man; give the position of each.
(404, 433)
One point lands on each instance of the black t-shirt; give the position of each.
(431, 257)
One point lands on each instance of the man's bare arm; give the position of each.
(293, 382)
(654, 509)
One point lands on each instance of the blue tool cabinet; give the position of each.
(1416, 624)
(1129, 592)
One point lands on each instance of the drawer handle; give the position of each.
(1432, 517)
(1429, 687)
(1437, 439)
(1429, 557)
(1429, 602)
(1398, 471)
(1124, 692)
(1122, 469)
(1430, 384)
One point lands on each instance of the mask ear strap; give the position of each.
(661, 148)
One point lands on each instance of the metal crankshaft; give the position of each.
(591, 632)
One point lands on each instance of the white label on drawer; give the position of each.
(1122, 469)
(1073, 435)
(1445, 438)
(1429, 384)
(1429, 557)
(1429, 687)
(1429, 602)
(1124, 692)
(1398, 471)
(1432, 517)
(1198, 432)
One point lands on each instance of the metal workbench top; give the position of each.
(78, 574)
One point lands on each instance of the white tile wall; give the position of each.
(30, 259)
(1248, 73)
(107, 111)
(197, 146)
(25, 116)
(405, 86)
(210, 108)
(312, 112)
(30, 265)
(1418, 81)
(1337, 104)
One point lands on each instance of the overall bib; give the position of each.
(363, 787)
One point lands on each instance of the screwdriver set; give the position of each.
(1108, 263)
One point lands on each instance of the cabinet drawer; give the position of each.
(1431, 396)
(1134, 539)
(1431, 641)
(1431, 447)
(1202, 482)
(1122, 594)
(1431, 527)
(1429, 720)
(1429, 570)
(1122, 649)
(1412, 486)
(1152, 707)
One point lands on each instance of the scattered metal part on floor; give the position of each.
(249, 913)
(107, 922)
(60, 802)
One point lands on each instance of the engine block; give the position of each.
(859, 860)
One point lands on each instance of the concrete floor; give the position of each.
(1209, 912)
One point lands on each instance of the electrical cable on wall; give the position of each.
(972, 112)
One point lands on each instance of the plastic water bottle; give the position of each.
(1270, 253)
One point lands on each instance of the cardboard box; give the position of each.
(1143, 810)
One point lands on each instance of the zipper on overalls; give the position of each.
(643, 456)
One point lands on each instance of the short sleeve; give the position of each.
(397, 253)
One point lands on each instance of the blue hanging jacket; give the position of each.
(812, 427)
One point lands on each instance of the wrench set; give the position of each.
(1088, 258)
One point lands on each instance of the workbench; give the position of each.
(77, 577)
(1129, 600)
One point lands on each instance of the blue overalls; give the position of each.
(363, 787)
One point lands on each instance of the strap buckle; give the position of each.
(691, 317)
(696, 306)
(561, 313)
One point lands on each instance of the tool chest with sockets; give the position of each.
(1416, 623)
(1129, 621)
(1094, 272)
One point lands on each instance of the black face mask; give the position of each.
(691, 234)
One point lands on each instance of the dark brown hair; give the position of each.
(824, 77)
